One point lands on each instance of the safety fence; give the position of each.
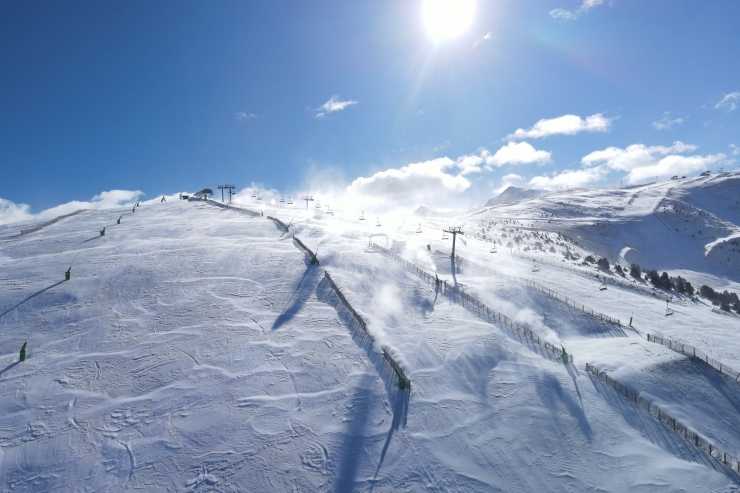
(695, 353)
(403, 380)
(311, 254)
(672, 423)
(603, 278)
(545, 290)
(482, 308)
(49, 223)
(278, 222)
(231, 207)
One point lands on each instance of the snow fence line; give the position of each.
(695, 353)
(49, 223)
(672, 423)
(278, 222)
(551, 293)
(308, 250)
(403, 380)
(522, 330)
(238, 209)
(606, 279)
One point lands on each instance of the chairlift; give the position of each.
(493, 248)
(668, 310)
(535, 268)
(444, 235)
(377, 223)
(254, 193)
(603, 286)
(259, 197)
(362, 216)
(282, 198)
(290, 202)
(318, 204)
(329, 211)
(419, 230)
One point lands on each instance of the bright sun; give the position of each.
(447, 18)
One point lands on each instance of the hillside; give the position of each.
(197, 348)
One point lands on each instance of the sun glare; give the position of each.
(446, 19)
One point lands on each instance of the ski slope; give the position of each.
(197, 349)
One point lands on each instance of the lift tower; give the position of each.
(307, 198)
(230, 188)
(454, 231)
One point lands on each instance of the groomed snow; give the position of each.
(196, 349)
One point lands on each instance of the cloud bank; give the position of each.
(563, 125)
(729, 102)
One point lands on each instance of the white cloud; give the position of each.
(487, 37)
(642, 162)
(441, 146)
(241, 116)
(735, 149)
(416, 183)
(516, 153)
(729, 102)
(570, 178)
(665, 123)
(335, 103)
(112, 199)
(561, 13)
(563, 125)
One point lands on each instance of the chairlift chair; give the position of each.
(535, 268)
(377, 223)
(419, 230)
(444, 236)
(259, 197)
(254, 193)
(318, 204)
(603, 287)
(282, 198)
(493, 248)
(329, 211)
(362, 216)
(668, 310)
(290, 202)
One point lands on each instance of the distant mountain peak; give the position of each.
(515, 194)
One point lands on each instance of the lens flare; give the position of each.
(445, 19)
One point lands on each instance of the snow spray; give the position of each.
(67, 273)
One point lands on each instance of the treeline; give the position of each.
(726, 300)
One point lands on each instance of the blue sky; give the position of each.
(161, 97)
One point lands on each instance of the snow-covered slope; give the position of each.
(514, 194)
(197, 349)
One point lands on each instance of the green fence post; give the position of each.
(23, 352)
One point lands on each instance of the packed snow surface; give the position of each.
(196, 348)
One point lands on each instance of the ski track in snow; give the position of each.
(196, 349)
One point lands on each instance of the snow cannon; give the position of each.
(119, 220)
(429, 248)
(67, 273)
(436, 279)
(565, 356)
(133, 210)
(314, 260)
(22, 356)
(102, 232)
(402, 383)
